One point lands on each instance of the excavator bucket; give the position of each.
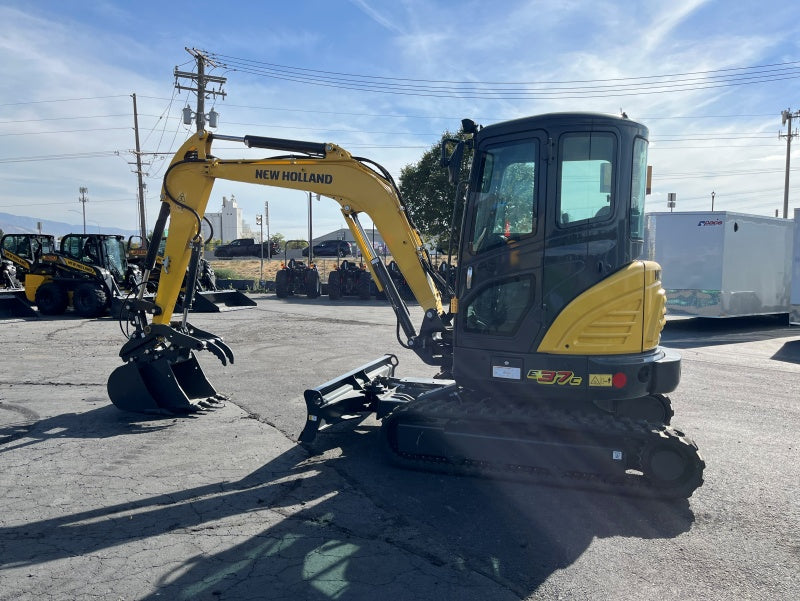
(14, 304)
(162, 386)
(219, 300)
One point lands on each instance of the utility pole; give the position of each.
(269, 240)
(200, 81)
(786, 119)
(83, 199)
(260, 222)
(310, 239)
(142, 214)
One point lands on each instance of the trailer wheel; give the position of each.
(363, 285)
(51, 299)
(334, 286)
(282, 283)
(313, 286)
(89, 300)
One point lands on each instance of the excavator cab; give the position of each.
(549, 278)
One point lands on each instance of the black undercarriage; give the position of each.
(439, 426)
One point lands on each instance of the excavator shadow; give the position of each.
(340, 525)
(789, 352)
(103, 422)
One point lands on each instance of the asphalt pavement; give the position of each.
(96, 503)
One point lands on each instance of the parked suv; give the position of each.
(331, 248)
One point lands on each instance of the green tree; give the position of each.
(278, 238)
(428, 195)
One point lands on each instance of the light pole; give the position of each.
(260, 223)
(269, 240)
(310, 239)
(83, 199)
(713, 194)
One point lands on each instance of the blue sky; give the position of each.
(69, 69)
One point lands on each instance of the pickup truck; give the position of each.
(246, 247)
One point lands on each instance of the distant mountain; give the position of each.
(17, 224)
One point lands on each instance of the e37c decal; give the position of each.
(547, 376)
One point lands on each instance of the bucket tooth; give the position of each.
(161, 386)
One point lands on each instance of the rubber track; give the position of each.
(623, 432)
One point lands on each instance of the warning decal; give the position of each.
(600, 380)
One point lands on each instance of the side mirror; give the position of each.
(453, 161)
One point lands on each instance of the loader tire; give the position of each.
(51, 299)
(282, 283)
(89, 300)
(313, 286)
(334, 286)
(363, 286)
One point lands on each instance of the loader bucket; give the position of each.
(344, 398)
(220, 300)
(15, 304)
(162, 386)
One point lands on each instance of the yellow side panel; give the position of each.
(624, 313)
(32, 282)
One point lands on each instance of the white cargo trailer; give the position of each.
(794, 309)
(722, 264)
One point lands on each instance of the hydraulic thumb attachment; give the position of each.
(161, 373)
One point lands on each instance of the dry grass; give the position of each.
(250, 269)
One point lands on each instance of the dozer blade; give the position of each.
(162, 386)
(15, 304)
(220, 300)
(346, 397)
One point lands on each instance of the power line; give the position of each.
(60, 157)
(611, 87)
(716, 73)
(58, 203)
(62, 100)
(63, 131)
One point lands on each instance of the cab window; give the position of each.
(498, 309)
(586, 167)
(505, 206)
(638, 188)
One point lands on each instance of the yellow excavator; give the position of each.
(547, 349)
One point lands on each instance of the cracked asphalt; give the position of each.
(96, 503)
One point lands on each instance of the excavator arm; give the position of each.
(159, 354)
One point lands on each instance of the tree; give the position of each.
(278, 239)
(428, 196)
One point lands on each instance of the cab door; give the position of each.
(501, 254)
(585, 231)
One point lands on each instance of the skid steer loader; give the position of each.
(87, 273)
(18, 252)
(547, 351)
